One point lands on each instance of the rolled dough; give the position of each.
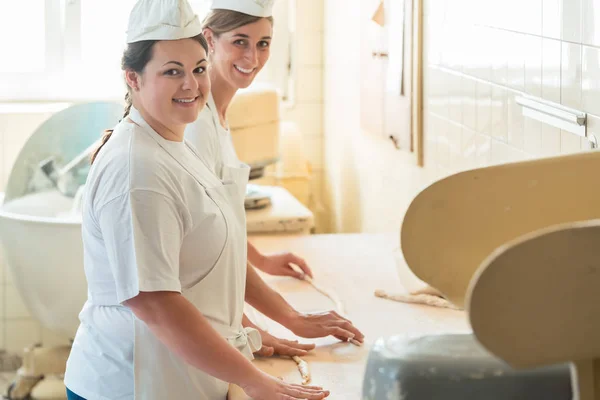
(420, 298)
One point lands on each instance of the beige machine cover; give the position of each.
(535, 302)
(254, 119)
(454, 224)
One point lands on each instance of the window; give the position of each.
(71, 49)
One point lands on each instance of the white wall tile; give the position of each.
(432, 42)
(313, 147)
(591, 22)
(310, 49)
(435, 84)
(552, 18)
(435, 7)
(591, 79)
(571, 20)
(454, 135)
(18, 128)
(501, 47)
(442, 147)
(469, 103)
(551, 69)
(499, 113)
(569, 143)
(571, 75)
(484, 107)
(550, 141)
(10, 153)
(475, 149)
(308, 116)
(482, 53)
(533, 65)
(309, 16)
(468, 146)
(532, 142)
(531, 14)
(455, 90)
(516, 61)
(516, 122)
(309, 88)
(317, 206)
(484, 150)
(457, 43)
(21, 334)
(429, 132)
(502, 153)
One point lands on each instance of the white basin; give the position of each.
(43, 251)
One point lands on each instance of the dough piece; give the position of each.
(339, 306)
(303, 368)
(422, 298)
(338, 303)
(329, 293)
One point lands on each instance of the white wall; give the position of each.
(479, 55)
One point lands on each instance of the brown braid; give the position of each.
(108, 133)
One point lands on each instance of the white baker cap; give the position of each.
(162, 20)
(257, 8)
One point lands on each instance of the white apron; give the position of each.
(224, 169)
(158, 372)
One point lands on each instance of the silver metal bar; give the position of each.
(554, 114)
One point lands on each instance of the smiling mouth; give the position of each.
(243, 70)
(186, 101)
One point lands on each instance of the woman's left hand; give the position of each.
(281, 347)
(324, 324)
(279, 265)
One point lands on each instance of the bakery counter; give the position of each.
(352, 266)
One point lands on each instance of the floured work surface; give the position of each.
(353, 266)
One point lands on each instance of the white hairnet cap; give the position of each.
(257, 8)
(162, 20)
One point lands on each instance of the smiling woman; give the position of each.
(144, 73)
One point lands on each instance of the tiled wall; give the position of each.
(307, 111)
(17, 328)
(479, 55)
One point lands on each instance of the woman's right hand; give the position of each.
(270, 388)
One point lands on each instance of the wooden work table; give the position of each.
(353, 266)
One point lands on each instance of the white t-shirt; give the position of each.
(211, 140)
(143, 195)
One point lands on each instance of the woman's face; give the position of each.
(240, 54)
(175, 84)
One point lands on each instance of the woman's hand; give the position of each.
(279, 265)
(269, 388)
(324, 324)
(275, 346)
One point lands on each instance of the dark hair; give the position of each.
(220, 21)
(135, 57)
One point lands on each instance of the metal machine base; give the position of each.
(454, 367)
